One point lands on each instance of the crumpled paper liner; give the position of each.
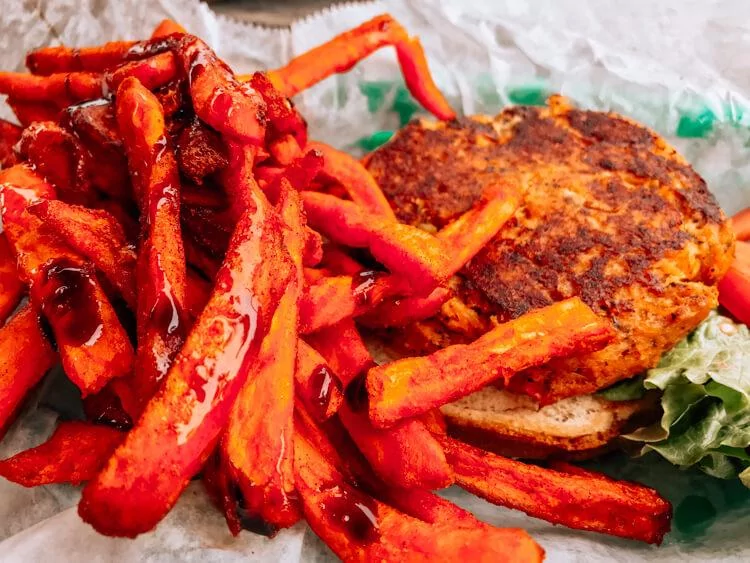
(673, 67)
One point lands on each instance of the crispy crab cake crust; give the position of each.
(610, 213)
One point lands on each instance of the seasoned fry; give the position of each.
(318, 388)
(257, 446)
(355, 178)
(412, 386)
(582, 499)
(300, 174)
(402, 311)
(283, 118)
(153, 72)
(31, 112)
(343, 349)
(181, 424)
(342, 52)
(93, 344)
(238, 178)
(96, 235)
(57, 156)
(25, 356)
(61, 88)
(167, 27)
(73, 454)
(413, 254)
(50, 60)
(232, 108)
(200, 152)
(11, 288)
(10, 133)
(359, 528)
(161, 261)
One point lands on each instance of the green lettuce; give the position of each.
(705, 384)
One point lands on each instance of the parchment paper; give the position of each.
(676, 66)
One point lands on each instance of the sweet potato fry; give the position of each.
(182, 423)
(153, 72)
(343, 349)
(413, 254)
(57, 156)
(61, 89)
(404, 455)
(283, 118)
(10, 133)
(238, 178)
(317, 387)
(342, 52)
(167, 27)
(300, 174)
(468, 234)
(25, 356)
(216, 482)
(357, 181)
(73, 454)
(96, 235)
(30, 112)
(584, 500)
(402, 311)
(359, 528)
(11, 287)
(412, 386)
(234, 109)
(285, 149)
(257, 445)
(93, 344)
(50, 60)
(161, 261)
(200, 152)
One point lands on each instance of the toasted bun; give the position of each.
(515, 426)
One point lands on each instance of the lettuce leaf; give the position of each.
(705, 403)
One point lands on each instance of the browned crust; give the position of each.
(611, 213)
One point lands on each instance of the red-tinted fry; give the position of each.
(181, 424)
(414, 255)
(359, 528)
(93, 344)
(412, 386)
(161, 261)
(342, 52)
(285, 149)
(200, 153)
(25, 356)
(196, 296)
(167, 27)
(326, 302)
(238, 178)
(357, 181)
(73, 454)
(96, 235)
(153, 72)
(283, 118)
(219, 488)
(49, 60)
(317, 387)
(402, 311)
(257, 445)
(300, 174)
(413, 63)
(582, 499)
(57, 156)
(342, 347)
(11, 287)
(61, 89)
(31, 112)
(10, 133)
(234, 109)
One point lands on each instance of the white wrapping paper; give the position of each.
(676, 66)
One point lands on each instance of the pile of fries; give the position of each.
(201, 270)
